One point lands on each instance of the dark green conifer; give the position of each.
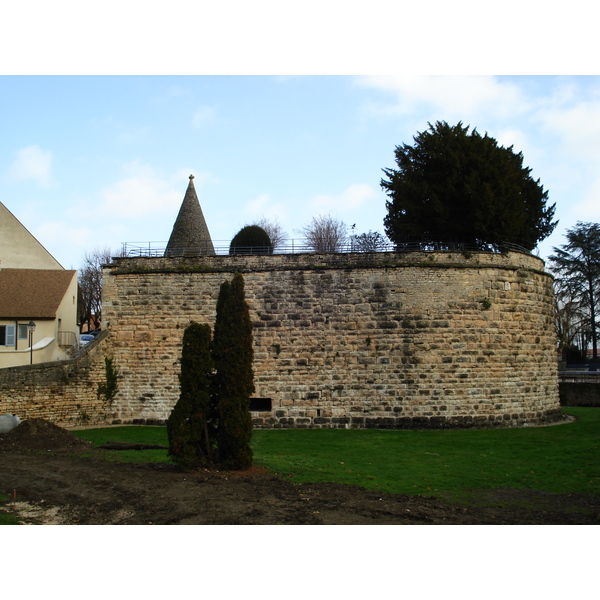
(234, 378)
(187, 427)
(455, 186)
(251, 239)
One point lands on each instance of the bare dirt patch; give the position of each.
(48, 479)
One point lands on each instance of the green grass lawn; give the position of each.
(129, 433)
(561, 458)
(450, 464)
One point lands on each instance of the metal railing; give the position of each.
(68, 342)
(67, 339)
(302, 246)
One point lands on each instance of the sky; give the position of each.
(91, 162)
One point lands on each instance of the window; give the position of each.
(7, 335)
(260, 404)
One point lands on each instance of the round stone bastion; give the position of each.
(356, 340)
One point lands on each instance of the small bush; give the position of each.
(110, 387)
(251, 239)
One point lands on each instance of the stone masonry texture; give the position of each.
(380, 340)
(190, 236)
(63, 392)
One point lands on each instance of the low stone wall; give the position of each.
(351, 340)
(579, 394)
(63, 392)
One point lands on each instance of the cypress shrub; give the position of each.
(187, 426)
(234, 377)
(251, 239)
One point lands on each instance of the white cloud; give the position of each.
(59, 231)
(578, 125)
(71, 239)
(589, 208)
(535, 154)
(450, 96)
(139, 194)
(353, 197)
(32, 163)
(511, 136)
(263, 207)
(204, 116)
(258, 205)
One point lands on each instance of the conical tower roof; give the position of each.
(190, 236)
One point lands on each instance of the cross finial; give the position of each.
(191, 177)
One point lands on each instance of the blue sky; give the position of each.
(90, 162)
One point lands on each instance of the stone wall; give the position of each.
(579, 394)
(350, 340)
(63, 392)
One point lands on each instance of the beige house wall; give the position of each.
(45, 337)
(45, 347)
(66, 315)
(18, 248)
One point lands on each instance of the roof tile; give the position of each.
(32, 293)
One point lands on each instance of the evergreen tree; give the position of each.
(251, 239)
(187, 426)
(576, 265)
(234, 378)
(452, 186)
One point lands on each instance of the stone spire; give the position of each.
(190, 236)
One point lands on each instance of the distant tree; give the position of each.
(190, 444)
(274, 231)
(572, 324)
(576, 266)
(89, 309)
(251, 239)
(372, 241)
(325, 234)
(234, 377)
(459, 187)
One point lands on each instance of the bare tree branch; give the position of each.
(325, 234)
(90, 287)
(274, 231)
